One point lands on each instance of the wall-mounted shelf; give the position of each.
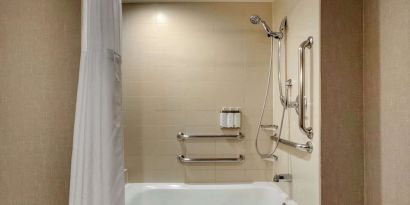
(271, 128)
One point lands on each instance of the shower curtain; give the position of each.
(97, 176)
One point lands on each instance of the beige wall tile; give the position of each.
(303, 17)
(254, 163)
(230, 147)
(200, 166)
(222, 176)
(200, 148)
(163, 176)
(182, 63)
(199, 176)
(259, 175)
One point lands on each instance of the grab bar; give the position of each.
(184, 159)
(308, 147)
(181, 137)
(301, 105)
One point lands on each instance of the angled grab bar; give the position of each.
(308, 147)
(301, 105)
(183, 159)
(182, 137)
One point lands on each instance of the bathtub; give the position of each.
(259, 193)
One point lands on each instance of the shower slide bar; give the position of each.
(182, 137)
(183, 159)
(308, 147)
(301, 98)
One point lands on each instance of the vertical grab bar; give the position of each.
(306, 130)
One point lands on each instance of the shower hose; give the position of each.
(271, 155)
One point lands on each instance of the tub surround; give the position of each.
(303, 18)
(183, 62)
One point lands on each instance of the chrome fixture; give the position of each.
(308, 147)
(269, 127)
(181, 137)
(269, 157)
(284, 99)
(278, 35)
(299, 104)
(301, 98)
(183, 159)
(282, 178)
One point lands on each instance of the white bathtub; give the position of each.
(259, 193)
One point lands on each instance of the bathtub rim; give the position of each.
(218, 186)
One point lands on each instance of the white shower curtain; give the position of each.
(97, 165)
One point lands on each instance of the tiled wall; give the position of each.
(386, 101)
(39, 61)
(182, 63)
(303, 21)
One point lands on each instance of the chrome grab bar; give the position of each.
(184, 159)
(181, 137)
(308, 147)
(301, 104)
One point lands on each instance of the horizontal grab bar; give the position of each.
(308, 147)
(184, 159)
(181, 137)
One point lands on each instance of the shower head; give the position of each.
(255, 19)
(258, 20)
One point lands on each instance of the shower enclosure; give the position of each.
(209, 98)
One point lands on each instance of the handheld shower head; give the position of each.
(258, 20)
(255, 19)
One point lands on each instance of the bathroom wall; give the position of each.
(342, 153)
(182, 62)
(386, 101)
(39, 59)
(303, 21)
